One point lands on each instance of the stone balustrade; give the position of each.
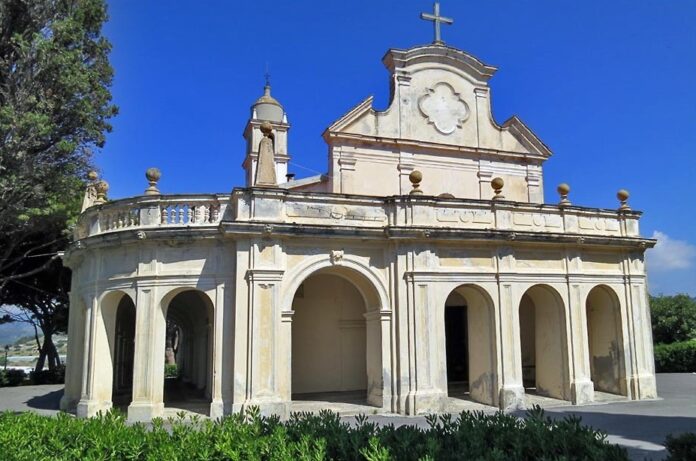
(308, 209)
(152, 212)
(429, 212)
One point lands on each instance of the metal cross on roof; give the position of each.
(437, 20)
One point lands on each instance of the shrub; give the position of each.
(12, 377)
(673, 318)
(675, 357)
(681, 447)
(56, 376)
(303, 437)
(171, 371)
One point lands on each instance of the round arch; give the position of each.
(114, 343)
(543, 341)
(186, 346)
(371, 285)
(470, 342)
(355, 327)
(605, 340)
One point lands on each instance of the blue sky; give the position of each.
(609, 86)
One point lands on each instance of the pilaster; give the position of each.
(148, 364)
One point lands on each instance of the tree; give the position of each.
(55, 104)
(42, 301)
(673, 318)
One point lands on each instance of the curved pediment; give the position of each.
(439, 96)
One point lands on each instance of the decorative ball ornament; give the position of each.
(102, 187)
(563, 190)
(92, 176)
(416, 177)
(623, 196)
(266, 129)
(497, 184)
(152, 175)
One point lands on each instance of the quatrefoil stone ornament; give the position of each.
(444, 108)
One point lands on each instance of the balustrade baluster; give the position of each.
(181, 214)
(165, 215)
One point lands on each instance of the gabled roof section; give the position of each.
(526, 136)
(354, 114)
(469, 64)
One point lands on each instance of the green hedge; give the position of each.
(12, 377)
(676, 357)
(249, 436)
(681, 447)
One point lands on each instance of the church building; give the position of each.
(424, 270)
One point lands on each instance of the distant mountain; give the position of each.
(11, 332)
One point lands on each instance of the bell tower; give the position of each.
(266, 111)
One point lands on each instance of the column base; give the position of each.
(643, 387)
(217, 409)
(68, 403)
(582, 392)
(423, 402)
(89, 408)
(511, 398)
(266, 408)
(144, 411)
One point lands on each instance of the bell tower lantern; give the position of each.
(266, 111)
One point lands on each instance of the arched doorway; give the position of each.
(188, 352)
(542, 342)
(123, 353)
(470, 345)
(607, 366)
(336, 343)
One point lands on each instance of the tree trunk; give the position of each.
(48, 351)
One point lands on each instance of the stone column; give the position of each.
(148, 367)
(264, 324)
(511, 393)
(87, 407)
(76, 349)
(642, 380)
(97, 386)
(581, 386)
(378, 336)
(217, 406)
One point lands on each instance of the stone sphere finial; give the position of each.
(416, 177)
(152, 175)
(266, 128)
(623, 195)
(102, 187)
(497, 185)
(92, 176)
(563, 190)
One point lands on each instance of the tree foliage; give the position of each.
(55, 105)
(673, 318)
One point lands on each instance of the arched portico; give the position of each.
(605, 340)
(544, 354)
(339, 326)
(187, 350)
(108, 370)
(470, 345)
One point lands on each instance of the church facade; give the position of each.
(425, 265)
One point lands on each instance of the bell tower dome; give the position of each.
(266, 109)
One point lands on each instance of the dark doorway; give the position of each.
(124, 352)
(456, 338)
